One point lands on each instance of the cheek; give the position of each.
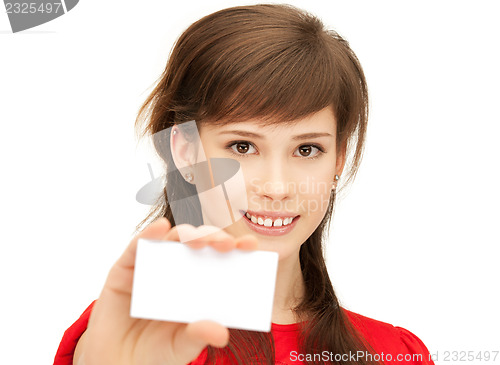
(315, 205)
(315, 186)
(316, 194)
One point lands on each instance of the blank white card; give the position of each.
(173, 282)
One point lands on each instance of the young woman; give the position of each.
(269, 87)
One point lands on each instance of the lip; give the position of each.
(271, 214)
(271, 231)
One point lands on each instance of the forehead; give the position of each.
(322, 121)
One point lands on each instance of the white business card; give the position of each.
(173, 282)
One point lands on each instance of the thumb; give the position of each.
(191, 339)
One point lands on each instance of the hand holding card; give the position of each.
(113, 336)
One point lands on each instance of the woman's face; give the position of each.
(288, 172)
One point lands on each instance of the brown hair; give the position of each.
(276, 63)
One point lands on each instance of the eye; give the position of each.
(309, 151)
(244, 149)
(241, 147)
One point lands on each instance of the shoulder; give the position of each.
(370, 326)
(389, 339)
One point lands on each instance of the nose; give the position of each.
(273, 183)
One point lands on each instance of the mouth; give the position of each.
(270, 223)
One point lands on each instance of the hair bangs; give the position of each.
(290, 93)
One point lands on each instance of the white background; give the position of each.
(414, 242)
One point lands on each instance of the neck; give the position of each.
(289, 290)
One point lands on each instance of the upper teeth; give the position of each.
(268, 222)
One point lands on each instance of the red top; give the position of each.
(393, 345)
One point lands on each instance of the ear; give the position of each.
(183, 151)
(341, 157)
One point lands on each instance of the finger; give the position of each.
(208, 332)
(217, 239)
(205, 235)
(247, 243)
(179, 233)
(190, 340)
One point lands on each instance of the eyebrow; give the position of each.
(258, 136)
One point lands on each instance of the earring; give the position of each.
(189, 177)
(175, 131)
(337, 177)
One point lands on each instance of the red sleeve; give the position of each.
(414, 347)
(66, 350)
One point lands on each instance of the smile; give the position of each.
(271, 224)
